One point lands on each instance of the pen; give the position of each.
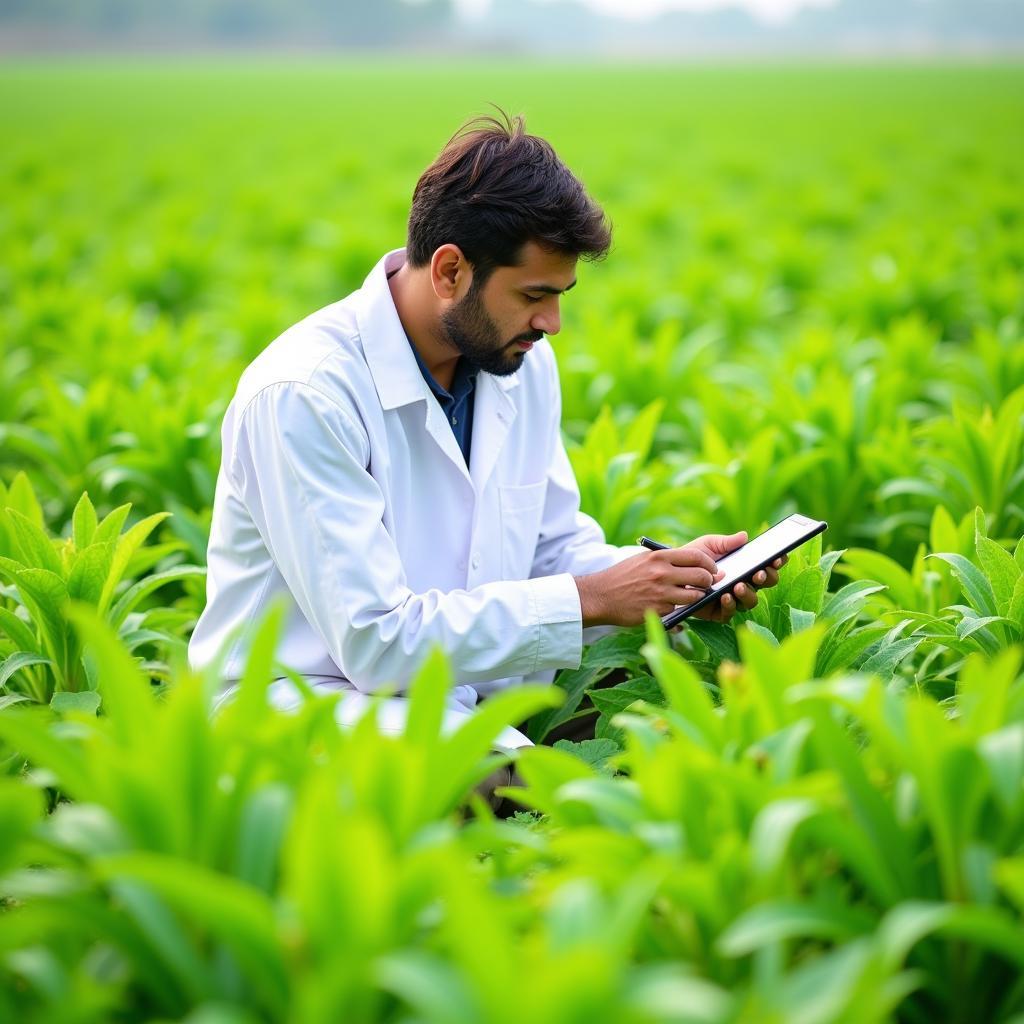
(654, 545)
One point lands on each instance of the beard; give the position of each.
(469, 328)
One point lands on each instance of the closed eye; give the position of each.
(534, 298)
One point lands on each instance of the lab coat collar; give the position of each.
(399, 382)
(388, 351)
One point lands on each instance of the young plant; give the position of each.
(41, 655)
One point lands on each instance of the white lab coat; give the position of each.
(343, 492)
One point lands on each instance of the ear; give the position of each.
(450, 272)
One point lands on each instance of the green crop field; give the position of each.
(814, 301)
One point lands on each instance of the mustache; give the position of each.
(533, 336)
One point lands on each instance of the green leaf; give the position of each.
(26, 731)
(427, 692)
(1002, 571)
(616, 803)
(45, 595)
(110, 528)
(86, 702)
(573, 684)
(756, 629)
(719, 638)
(841, 655)
(21, 807)
(37, 550)
(238, 915)
(18, 631)
(975, 585)
(799, 619)
(984, 690)
(89, 572)
(847, 602)
(475, 736)
(1015, 611)
(83, 522)
(684, 689)
(620, 649)
(594, 753)
(126, 546)
(612, 699)
(250, 703)
(865, 564)
(261, 833)
(773, 830)
(8, 700)
(436, 990)
(127, 699)
(22, 498)
(905, 925)
(806, 590)
(19, 660)
(1003, 753)
(144, 587)
(777, 922)
(1009, 874)
(888, 657)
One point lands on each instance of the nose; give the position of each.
(548, 320)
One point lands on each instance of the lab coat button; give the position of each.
(476, 561)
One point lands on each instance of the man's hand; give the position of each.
(658, 581)
(661, 581)
(743, 595)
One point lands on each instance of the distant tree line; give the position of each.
(518, 25)
(344, 22)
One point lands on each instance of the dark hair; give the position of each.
(492, 189)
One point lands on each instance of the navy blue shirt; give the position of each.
(456, 404)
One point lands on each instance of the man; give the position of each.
(393, 467)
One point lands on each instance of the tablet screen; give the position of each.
(763, 548)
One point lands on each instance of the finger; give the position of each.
(687, 576)
(745, 596)
(691, 556)
(727, 606)
(760, 578)
(722, 543)
(686, 595)
(700, 578)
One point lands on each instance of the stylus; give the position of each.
(652, 545)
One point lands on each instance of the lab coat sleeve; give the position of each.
(570, 540)
(300, 464)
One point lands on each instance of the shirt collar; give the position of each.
(389, 353)
(463, 379)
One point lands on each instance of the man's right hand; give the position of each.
(657, 581)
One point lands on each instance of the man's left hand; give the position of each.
(743, 596)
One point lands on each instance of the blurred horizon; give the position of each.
(589, 28)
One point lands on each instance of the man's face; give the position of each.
(495, 325)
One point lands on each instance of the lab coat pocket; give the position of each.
(521, 510)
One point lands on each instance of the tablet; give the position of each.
(741, 564)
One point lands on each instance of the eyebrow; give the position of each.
(547, 288)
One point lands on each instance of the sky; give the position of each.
(769, 10)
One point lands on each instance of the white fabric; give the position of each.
(343, 493)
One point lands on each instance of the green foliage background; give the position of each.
(814, 301)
